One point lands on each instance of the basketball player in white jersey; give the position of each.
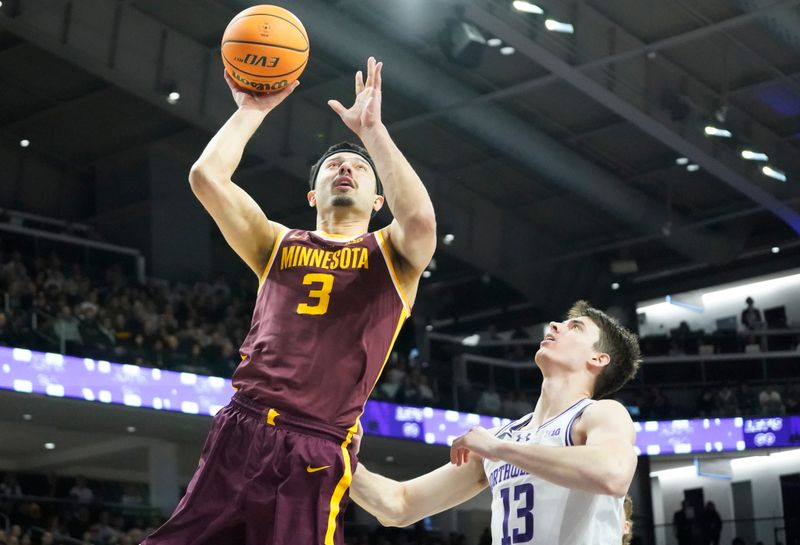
(558, 475)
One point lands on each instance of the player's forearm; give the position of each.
(593, 468)
(405, 193)
(223, 153)
(380, 496)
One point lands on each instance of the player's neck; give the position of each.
(342, 224)
(559, 393)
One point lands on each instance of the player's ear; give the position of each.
(600, 359)
(312, 198)
(377, 204)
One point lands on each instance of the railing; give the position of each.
(768, 530)
(667, 372)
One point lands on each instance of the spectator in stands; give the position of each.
(751, 316)
(682, 524)
(657, 406)
(769, 399)
(712, 525)
(98, 341)
(489, 402)
(6, 334)
(81, 492)
(10, 486)
(748, 401)
(792, 400)
(706, 403)
(65, 327)
(727, 403)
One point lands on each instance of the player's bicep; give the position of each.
(414, 242)
(242, 222)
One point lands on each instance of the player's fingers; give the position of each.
(377, 78)
(370, 71)
(359, 82)
(337, 107)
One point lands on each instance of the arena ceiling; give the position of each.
(556, 168)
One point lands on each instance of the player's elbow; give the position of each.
(616, 481)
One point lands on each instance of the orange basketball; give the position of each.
(265, 48)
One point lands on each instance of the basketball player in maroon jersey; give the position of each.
(277, 464)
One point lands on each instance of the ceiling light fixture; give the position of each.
(776, 250)
(557, 26)
(711, 130)
(751, 155)
(24, 143)
(615, 286)
(507, 50)
(173, 97)
(426, 274)
(27, 417)
(494, 42)
(692, 167)
(131, 429)
(448, 238)
(682, 161)
(49, 446)
(773, 173)
(527, 7)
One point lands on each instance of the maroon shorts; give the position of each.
(264, 478)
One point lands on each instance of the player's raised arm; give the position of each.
(396, 503)
(413, 232)
(602, 462)
(241, 220)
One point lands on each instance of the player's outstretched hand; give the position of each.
(477, 440)
(365, 113)
(263, 102)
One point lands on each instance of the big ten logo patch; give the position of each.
(259, 60)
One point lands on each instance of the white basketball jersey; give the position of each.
(528, 510)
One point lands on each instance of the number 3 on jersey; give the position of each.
(322, 295)
(524, 514)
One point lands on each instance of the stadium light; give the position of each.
(527, 7)
(682, 161)
(494, 42)
(692, 167)
(751, 155)
(711, 130)
(557, 26)
(507, 50)
(773, 173)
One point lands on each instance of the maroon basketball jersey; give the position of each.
(327, 314)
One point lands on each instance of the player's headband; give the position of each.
(349, 148)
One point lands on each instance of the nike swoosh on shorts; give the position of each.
(315, 469)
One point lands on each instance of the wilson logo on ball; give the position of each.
(258, 86)
(259, 60)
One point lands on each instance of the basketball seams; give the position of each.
(264, 43)
(299, 29)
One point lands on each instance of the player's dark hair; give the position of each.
(619, 343)
(338, 148)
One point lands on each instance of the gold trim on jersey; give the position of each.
(341, 487)
(392, 272)
(271, 259)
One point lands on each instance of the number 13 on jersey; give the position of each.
(517, 524)
(322, 294)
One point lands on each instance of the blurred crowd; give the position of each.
(52, 305)
(57, 510)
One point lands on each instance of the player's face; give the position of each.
(570, 343)
(346, 179)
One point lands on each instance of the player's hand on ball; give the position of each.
(257, 101)
(365, 113)
(476, 440)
